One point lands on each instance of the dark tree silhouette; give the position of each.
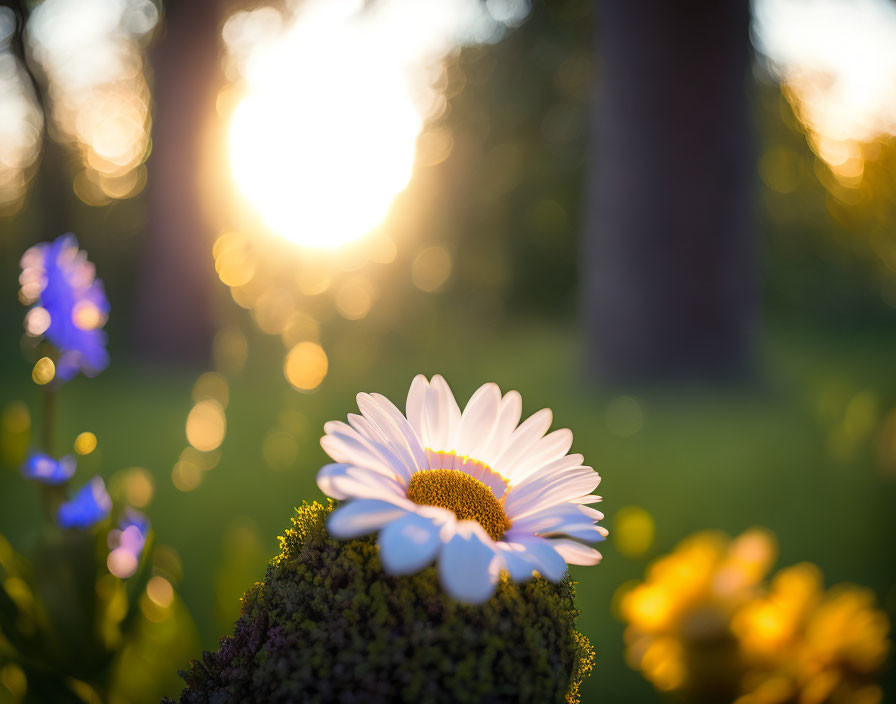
(175, 319)
(669, 261)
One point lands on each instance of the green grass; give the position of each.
(728, 459)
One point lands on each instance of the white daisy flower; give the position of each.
(477, 491)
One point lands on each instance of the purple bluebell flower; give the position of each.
(131, 532)
(126, 543)
(69, 305)
(43, 468)
(89, 506)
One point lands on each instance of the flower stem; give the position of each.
(51, 496)
(49, 424)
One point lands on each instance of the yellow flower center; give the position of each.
(466, 497)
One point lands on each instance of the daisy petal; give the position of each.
(575, 553)
(515, 560)
(451, 410)
(546, 450)
(572, 461)
(544, 557)
(508, 418)
(579, 528)
(362, 516)
(468, 566)
(344, 444)
(414, 408)
(477, 420)
(543, 490)
(592, 513)
(325, 480)
(588, 532)
(567, 462)
(411, 439)
(526, 435)
(408, 544)
(395, 436)
(362, 483)
(548, 518)
(435, 419)
(402, 464)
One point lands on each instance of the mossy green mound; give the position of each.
(327, 625)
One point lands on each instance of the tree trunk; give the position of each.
(669, 260)
(174, 319)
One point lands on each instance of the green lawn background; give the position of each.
(764, 453)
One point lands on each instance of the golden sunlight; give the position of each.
(324, 138)
(333, 95)
(837, 63)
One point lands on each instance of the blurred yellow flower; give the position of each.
(706, 624)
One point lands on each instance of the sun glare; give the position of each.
(333, 100)
(325, 137)
(836, 60)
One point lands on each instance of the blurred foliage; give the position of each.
(75, 74)
(328, 624)
(72, 632)
(517, 127)
(828, 251)
(511, 191)
(499, 184)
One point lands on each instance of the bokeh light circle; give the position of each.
(306, 366)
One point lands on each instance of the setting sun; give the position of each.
(324, 138)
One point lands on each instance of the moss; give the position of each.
(328, 625)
